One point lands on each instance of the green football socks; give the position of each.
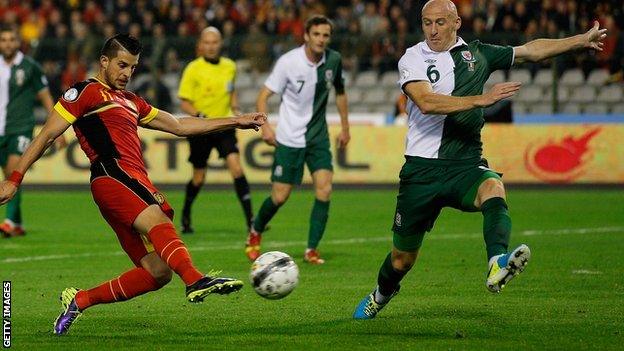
(388, 278)
(318, 221)
(267, 211)
(496, 226)
(14, 211)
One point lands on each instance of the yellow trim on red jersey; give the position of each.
(104, 108)
(64, 113)
(150, 116)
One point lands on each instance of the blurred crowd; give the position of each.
(65, 36)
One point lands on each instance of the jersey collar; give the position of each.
(307, 60)
(458, 43)
(101, 82)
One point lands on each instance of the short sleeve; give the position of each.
(39, 80)
(411, 69)
(187, 84)
(146, 111)
(339, 83)
(498, 57)
(77, 100)
(276, 82)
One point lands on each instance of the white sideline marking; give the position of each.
(585, 271)
(279, 244)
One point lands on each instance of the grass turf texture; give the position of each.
(570, 296)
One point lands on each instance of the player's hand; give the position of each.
(498, 92)
(60, 142)
(595, 36)
(7, 191)
(253, 120)
(268, 135)
(343, 138)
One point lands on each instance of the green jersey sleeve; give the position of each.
(39, 80)
(339, 80)
(498, 57)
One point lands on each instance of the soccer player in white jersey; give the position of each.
(303, 77)
(443, 77)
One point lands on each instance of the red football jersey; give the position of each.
(106, 121)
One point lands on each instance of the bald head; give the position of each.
(211, 31)
(440, 6)
(210, 43)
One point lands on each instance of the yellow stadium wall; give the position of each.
(524, 153)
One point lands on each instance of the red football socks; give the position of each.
(172, 250)
(135, 282)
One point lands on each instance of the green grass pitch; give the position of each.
(570, 297)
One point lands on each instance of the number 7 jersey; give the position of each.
(460, 71)
(304, 87)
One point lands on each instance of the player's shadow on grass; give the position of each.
(336, 328)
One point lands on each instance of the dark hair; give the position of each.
(315, 20)
(5, 27)
(121, 42)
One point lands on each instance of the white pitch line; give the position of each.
(280, 244)
(585, 271)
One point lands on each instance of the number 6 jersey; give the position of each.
(460, 71)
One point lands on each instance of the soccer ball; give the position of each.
(274, 275)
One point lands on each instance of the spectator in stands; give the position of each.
(255, 46)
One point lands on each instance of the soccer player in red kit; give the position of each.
(105, 118)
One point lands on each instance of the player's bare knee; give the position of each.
(280, 198)
(199, 179)
(490, 188)
(323, 192)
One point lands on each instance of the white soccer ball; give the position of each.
(274, 275)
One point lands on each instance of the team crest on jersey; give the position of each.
(70, 95)
(160, 198)
(467, 56)
(469, 59)
(329, 75)
(20, 77)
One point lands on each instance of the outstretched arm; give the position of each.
(54, 127)
(46, 100)
(187, 126)
(268, 134)
(541, 49)
(438, 104)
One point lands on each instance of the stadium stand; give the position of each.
(64, 37)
